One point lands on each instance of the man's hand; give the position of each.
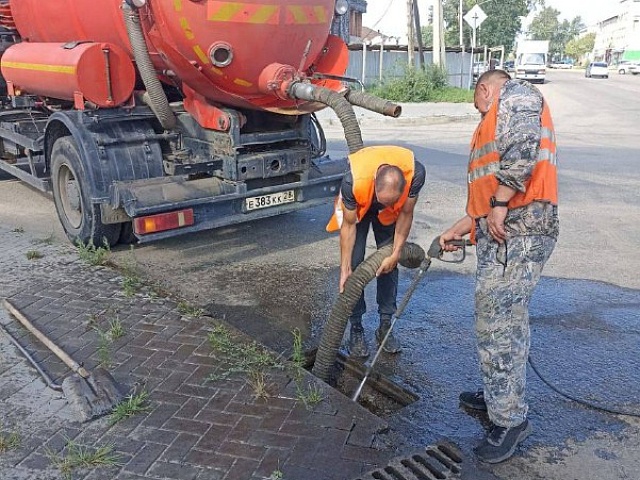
(344, 275)
(495, 223)
(387, 265)
(447, 237)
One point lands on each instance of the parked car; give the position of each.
(479, 68)
(597, 69)
(561, 64)
(509, 66)
(628, 66)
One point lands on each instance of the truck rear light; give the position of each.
(163, 221)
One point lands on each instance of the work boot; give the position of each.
(392, 345)
(357, 346)
(501, 442)
(473, 400)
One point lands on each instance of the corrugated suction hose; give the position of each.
(157, 99)
(373, 103)
(411, 257)
(338, 103)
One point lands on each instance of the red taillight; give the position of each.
(163, 221)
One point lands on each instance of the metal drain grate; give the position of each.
(437, 462)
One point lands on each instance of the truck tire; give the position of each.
(79, 216)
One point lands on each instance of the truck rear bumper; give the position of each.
(217, 203)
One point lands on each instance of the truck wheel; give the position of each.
(80, 217)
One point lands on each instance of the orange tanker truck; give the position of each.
(151, 118)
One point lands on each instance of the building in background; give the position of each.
(618, 36)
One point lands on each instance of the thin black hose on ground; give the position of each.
(578, 400)
(346, 301)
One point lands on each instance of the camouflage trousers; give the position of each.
(506, 277)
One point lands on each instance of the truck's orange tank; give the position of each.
(218, 48)
(99, 72)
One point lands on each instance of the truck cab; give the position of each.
(531, 60)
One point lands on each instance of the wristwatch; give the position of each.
(497, 203)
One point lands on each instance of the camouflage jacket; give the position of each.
(518, 134)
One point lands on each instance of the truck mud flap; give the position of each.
(438, 462)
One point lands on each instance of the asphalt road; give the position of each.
(278, 274)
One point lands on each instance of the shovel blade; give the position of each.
(94, 396)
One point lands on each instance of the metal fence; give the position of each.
(373, 64)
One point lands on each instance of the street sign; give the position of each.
(475, 17)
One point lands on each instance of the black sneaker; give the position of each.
(357, 346)
(473, 400)
(501, 442)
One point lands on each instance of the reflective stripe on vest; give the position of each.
(484, 163)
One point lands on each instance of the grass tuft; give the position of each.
(132, 405)
(34, 254)
(185, 309)
(93, 255)
(76, 456)
(9, 441)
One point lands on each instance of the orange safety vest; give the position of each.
(364, 164)
(484, 162)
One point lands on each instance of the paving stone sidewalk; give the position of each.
(197, 428)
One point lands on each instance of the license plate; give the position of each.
(271, 200)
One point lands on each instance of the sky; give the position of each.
(389, 16)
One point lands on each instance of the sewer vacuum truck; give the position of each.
(151, 118)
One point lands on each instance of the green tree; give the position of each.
(500, 27)
(577, 48)
(427, 35)
(547, 26)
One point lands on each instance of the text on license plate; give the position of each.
(271, 200)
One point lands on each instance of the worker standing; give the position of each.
(379, 191)
(512, 216)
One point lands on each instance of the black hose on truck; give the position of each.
(338, 103)
(156, 98)
(411, 257)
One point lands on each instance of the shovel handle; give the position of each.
(68, 361)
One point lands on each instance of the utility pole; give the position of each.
(460, 25)
(416, 16)
(410, 33)
(437, 38)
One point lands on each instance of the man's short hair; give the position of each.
(491, 75)
(390, 176)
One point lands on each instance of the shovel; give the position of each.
(435, 251)
(92, 394)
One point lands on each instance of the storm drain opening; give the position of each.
(380, 395)
(441, 461)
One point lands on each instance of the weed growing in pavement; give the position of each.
(276, 475)
(132, 405)
(48, 240)
(34, 254)
(9, 441)
(310, 395)
(18, 230)
(131, 281)
(75, 456)
(104, 351)
(93, 255)
(185, 309)
(258, 382)
(116, 329)
(238, 358)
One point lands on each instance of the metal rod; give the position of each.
(107, 69)
(407, 296)
(50, 383)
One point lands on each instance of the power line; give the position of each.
(382, 16)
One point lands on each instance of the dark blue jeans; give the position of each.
(387, 284)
